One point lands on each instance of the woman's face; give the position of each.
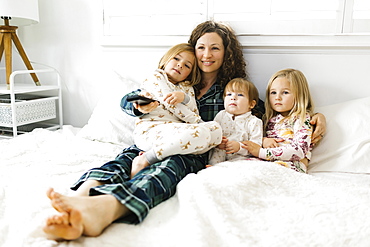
(209, 51)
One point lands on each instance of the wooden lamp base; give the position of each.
(7, 34)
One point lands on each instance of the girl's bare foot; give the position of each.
(81, 215)
(139, 163)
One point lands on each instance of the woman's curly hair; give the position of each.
(234, 64)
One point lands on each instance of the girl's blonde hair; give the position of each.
(303, 103)
(194, 76)
(243, 85)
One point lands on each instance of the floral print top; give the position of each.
(296, 135)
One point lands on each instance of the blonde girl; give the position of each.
(162, 132)
(289, 107)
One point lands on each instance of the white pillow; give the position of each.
(108, 123)
(346, 145)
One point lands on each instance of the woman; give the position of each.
(107, 194)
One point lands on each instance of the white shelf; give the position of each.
(18, 116)
(26, 88)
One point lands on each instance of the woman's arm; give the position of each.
(318, 122)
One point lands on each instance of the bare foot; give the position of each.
(81, 215)
(139, 163)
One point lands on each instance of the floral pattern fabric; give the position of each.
(296, 145)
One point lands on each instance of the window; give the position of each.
(147, 22)
(358, 20)
(279, 16)
(164, 23)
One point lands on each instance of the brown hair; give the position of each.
(234, 65)
(243, 85)
(195, 76)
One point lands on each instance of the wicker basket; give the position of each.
(28, 109)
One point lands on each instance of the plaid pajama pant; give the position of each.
(151, 186)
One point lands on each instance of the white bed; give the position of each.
(231, 204)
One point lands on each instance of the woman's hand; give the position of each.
(174, 98)
(319, 126)
(253, 148)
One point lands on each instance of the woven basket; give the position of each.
(28, 110)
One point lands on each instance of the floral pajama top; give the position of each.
(296, 145)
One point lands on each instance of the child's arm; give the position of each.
(271, 142)
(146, 108)
(255, 134)
(222, 145)
(188, 114)
(296, 149)
(232, 147)
(253, 148)
(174, 98)
(160, 87)
(219, 119)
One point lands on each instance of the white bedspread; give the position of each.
(232, 204)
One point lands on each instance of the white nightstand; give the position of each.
(25, 106)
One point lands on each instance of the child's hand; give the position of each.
(271, 142)
(174, 98)
(232, 147)
(253, 148)
(149, 107)
(222, 145)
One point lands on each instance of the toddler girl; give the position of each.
(237, 122)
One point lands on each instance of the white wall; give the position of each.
(68, 38)
(335, 75)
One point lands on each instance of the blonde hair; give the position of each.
(194, 76)
(303, 103)
(243, 85)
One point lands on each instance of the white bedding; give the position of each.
(233, 204)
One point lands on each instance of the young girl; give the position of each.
(162, 132)
(288, 130)
(237, 122)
